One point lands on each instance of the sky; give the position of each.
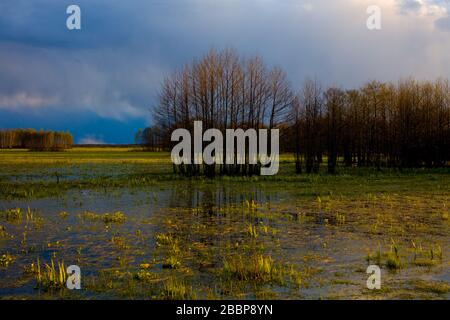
(100, 82)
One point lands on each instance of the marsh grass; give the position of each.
(12, 215)
(172, 262)
(17, 215)
(174, 289)
(393, 260)
(262, 270)
(427, 258)
(120, 242)
(146, 276)
(49, 276)
(170, 247)
(6, 260)
(174, 257)
(164, 239)
(339, 218)
(3, 233)
(374, 257)
(256, 268)
(33, 217)
(252, 231)
(107, 218)
(436, 287)
(63, 214)
(397, 258)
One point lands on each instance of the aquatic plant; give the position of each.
(164, 239)
(393, 260)
(63, 214)
(116, 217)
(173, 259)
(12, 215)
(296, 277)
(172, 249)
(257, 267)
(32, 217)
(176, 290)
(120, 242)
(3, 233)
(252, 231)
(6, 260)
(428, 258)
(251, 205)
(340, 218)
(437, 287)
(146, 276)
(374, 256)
(48, 276)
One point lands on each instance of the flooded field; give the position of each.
(138, 232)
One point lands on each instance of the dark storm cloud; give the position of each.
(115, 64)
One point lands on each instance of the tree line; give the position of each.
(404, 124)
(35, 140)
(380, 125)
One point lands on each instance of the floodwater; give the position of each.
(325, 241)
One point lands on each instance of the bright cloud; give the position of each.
(91, 139)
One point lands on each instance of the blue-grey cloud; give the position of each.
(439, 8)
(443, 23)
(410, 5)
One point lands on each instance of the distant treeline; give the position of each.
(152, 139)
(380, 124)
(404, 124)
(35, 140)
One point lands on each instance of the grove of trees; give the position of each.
(380, 124)
(404, 124)
(35, 140)
(225, 92)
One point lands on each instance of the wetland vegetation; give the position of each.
(138, 231)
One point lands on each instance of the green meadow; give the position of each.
(137, 231)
